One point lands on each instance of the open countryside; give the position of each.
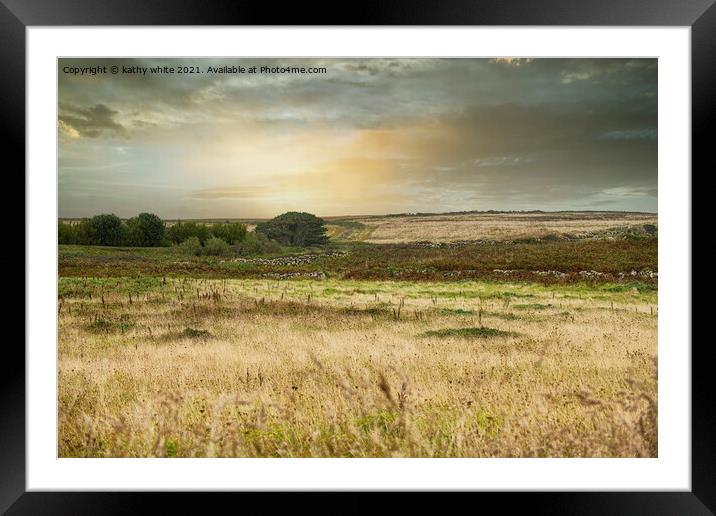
(537, 340)
(394, 257)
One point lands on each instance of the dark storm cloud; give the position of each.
(91, 121)
(521, 128)
(471, 133)
(366, 92)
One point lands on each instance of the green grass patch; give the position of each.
(532, 306)
(171, 447)
(639, 286)
(505, 316)
(372, 311)
(456, 311)
(97, 286)
(103, 326)
(469, 333)
(382, 420)
(487, 423)
(191, 333)
(473, 294)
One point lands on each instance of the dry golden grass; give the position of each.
(486, 226)
(344, 369)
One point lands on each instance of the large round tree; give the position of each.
(105, 229)
(145, 230)
(294, 228)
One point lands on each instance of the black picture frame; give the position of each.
(700, 15)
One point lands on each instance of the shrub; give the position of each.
(231, 233)
(268, 246)
(295, 229)
(215, 247)
(650, 229)
(191, 333)
(84, 232)
(66, 233)
(248, 246)
(145, 230)
(191, 246)
(256, 243)
(180, 231)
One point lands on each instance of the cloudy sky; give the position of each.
(368, 136)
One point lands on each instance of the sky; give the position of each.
(366, 136)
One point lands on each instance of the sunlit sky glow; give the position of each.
(371, 136)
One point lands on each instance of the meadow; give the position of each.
(450, 227)
(526, 347)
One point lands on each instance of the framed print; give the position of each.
(446, 249)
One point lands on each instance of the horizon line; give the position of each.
(400, 214)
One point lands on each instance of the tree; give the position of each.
(145, 230)
(105, 229)
(296, 229)
(180, 231)
(66, 233)
(84, 233)
(233, 233)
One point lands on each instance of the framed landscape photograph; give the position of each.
(314, 280)
(444, 251)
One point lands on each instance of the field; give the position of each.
(552, 261)
(540, 344)
(484, 226)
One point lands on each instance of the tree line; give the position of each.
(296, 229)
(144, 230)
